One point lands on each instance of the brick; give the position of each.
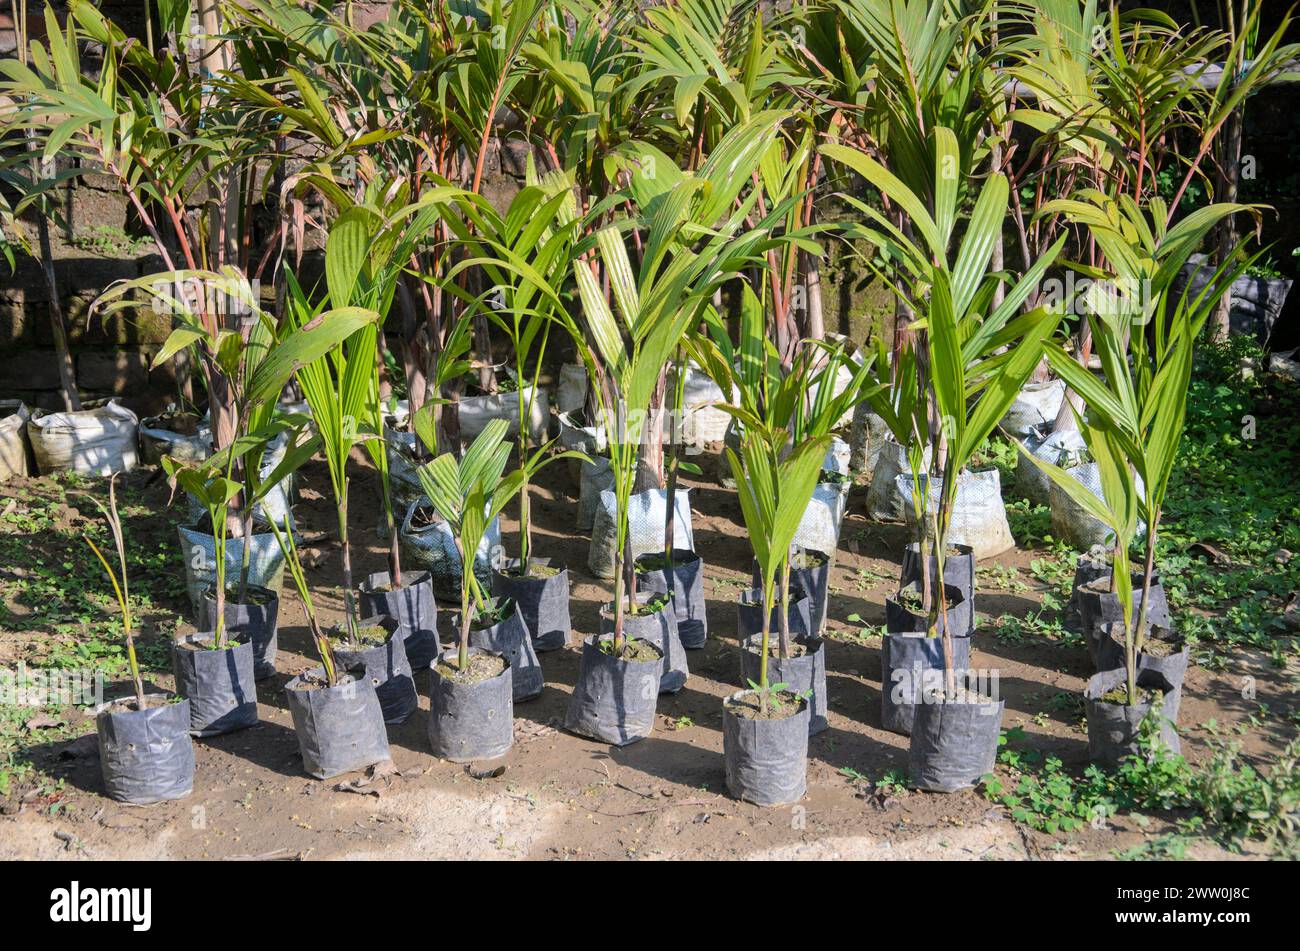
(112, 371)
(29, 370)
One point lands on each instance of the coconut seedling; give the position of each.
(696, 238)
(780, 410)
(524, 255)
(340, 384)
(1144, 325)
(960, 330)
(774, 490)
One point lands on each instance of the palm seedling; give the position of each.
(524, 256)
(1145, 327)
(693, 243)
(469, 493)
(779, 420)
(977, 355)
(121, 586)
(257, 360)
(373, 241)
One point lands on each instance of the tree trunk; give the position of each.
(1229, 177)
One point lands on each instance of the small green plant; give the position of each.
(469, 493)
(121, 587)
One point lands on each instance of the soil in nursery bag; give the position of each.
(146, 755)
(810, 572)
(958, 571)
(766, 751)
(905, 612)
(471, 713)
(412, 606)
(911, 663)
(804, 672)
(1098, 605)
(340, 728)
(654, 622)
(954, 739)
(687, 591)
(542, 593)
(615, 697)
(380, 650)
(1162, 650)
(500, 628)
(218, 682)
(1114, 726)
(749, 612)
(255, 619)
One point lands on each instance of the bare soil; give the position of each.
(561, 796)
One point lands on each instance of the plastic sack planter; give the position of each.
(509, 638)
(265, 562)
(433, 548)
(979, 516)
(886, 502)
(470, 721)
(1254, 303)
(543, 601)
(804, 674)
(911, 662)
(900, 618)
(573, 435)
(1071, 522)
(687, 593)
(256, 621)
(1036, 407)
(159, 437)
(954, 740)
(812, 577)
(146, 755)
(340, 728)
(702, 421)
(1171, 664)
(1055, 448)
(1113, 728)
(414, 609)
(475, 412)
(869, 434)
(614, 699)
(594, 478)
(1098, 606)
(766, 760)
(385, 665)
(14, 415)
(646, 514)
(219, 684)
(658, 628)
(819, 529)
(749, 613)
(95, 441)
(958, 571)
